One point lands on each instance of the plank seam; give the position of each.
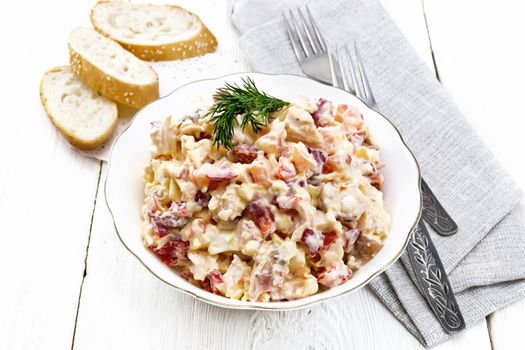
(434, 63)
(489, 330)
(84, 274)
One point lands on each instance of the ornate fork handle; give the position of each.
(434, 213)
(433, 281)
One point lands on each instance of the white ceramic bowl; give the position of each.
(124, 188)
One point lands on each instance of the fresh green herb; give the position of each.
(248, 102)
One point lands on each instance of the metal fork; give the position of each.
(432, 279)
(307, 43)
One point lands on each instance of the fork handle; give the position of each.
(432, 280)
(434, 214)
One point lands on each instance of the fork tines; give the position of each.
(303, 33)
(350, 74)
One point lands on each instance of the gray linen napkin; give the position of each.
(484, 259)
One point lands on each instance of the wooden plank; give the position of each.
(123, 306)
(481, 65)
(506, 327)
(47, 189)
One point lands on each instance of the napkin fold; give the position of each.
(484, 260)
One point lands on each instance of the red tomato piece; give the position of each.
(173, 252)
(262, 216)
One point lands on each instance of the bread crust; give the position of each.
(69, 136)
(204, 42)
(134, 95)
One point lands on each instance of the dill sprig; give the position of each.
(248, 102)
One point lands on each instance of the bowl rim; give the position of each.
(269, 305)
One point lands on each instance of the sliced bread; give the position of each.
(85, 118)
(153, 32)
(114, 72)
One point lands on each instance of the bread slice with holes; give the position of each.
(114, 72)
(153, 32)
(85, 118)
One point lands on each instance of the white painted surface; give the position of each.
(480, 53)
(506, 327)
(46, 188)
(47, 194)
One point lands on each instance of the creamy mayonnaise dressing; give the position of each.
(285, 213)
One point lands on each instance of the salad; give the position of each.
(278, 212)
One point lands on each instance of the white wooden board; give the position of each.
(46, 188)
(42, 248)
(480, 56)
